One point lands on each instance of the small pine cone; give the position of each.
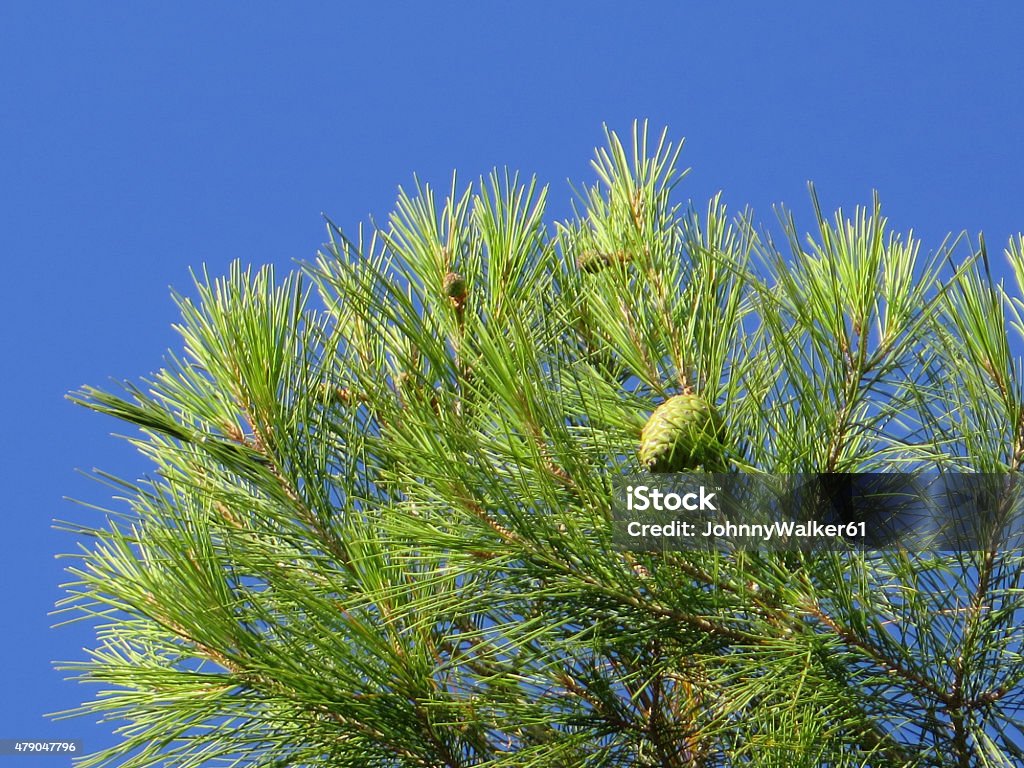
(684, 432)
(595, 261)
(455, 288)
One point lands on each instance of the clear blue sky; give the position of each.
(139, 140)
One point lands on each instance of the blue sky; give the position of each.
(139, 141)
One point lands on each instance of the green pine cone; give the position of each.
(683, 433)
(454, 286)
(595, 261)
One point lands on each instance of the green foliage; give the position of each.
(377, 533)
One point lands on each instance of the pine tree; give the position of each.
(377, 531)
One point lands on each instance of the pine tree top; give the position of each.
(378, 529)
